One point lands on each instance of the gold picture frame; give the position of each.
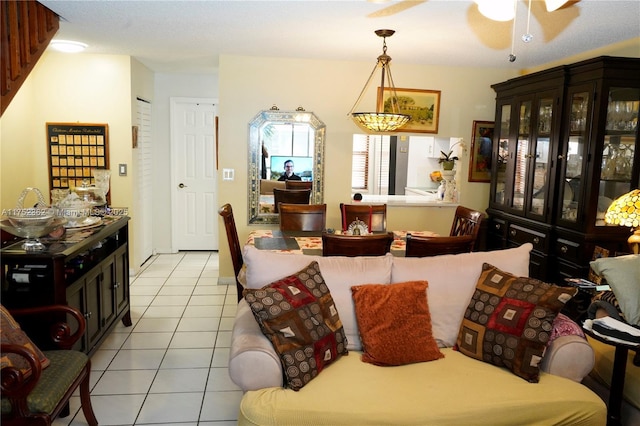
(481, 151)
(422, 105)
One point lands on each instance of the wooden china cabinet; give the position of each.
(566, 145)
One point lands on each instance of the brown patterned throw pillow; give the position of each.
(11, 333)
(395, 323)
(509, 320)
(298, 315)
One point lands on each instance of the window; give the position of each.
(370, 164)
(360, 163)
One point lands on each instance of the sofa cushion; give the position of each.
(509, 320)
(299, 316)
(394, 323)
(340, 273)
(622, 274)
(11, 333)
(453, 391)
(452, 281)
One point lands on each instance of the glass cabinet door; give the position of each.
(575, 150)
(540, 158)
(521, 156)
(502, 156)
(618, 151)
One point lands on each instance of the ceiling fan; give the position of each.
(487, 7)
(396, 7)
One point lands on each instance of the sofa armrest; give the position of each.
(253, 363)
(569, 356)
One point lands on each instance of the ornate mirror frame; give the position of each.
(256, 128)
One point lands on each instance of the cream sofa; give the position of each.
(454, 390)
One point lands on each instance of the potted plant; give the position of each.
(447, 161)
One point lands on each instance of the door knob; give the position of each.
(182, 185)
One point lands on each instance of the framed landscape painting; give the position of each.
(481, 147)
(422, 105)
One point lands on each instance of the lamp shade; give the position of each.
(625, 210)
(379, 122)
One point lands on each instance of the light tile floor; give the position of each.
(170, 367)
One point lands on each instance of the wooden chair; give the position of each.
(40, 396)
(290, 196)
(234, 244)
(303, 217)
(466, 222)
(377, 213)
(298, 184)
(353, 245)
(433, 246)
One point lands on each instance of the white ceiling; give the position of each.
(189, 36)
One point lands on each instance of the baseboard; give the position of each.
(226, 281)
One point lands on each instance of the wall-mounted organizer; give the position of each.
(74, 149)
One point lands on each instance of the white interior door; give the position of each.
(194, 200)
(144, 176)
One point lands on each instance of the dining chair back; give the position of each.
(298, 184)
(234, 244)
(466, 222)
(374, 215)
(434, 246)
(290, 196)
(353, 245)
(35, 338)
(302, 217)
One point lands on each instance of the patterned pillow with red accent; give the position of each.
(11, 333)
(298, 315)
(509, 320)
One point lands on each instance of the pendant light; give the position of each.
(381, 121)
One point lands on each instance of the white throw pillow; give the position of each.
(340, 273)
(452, 281)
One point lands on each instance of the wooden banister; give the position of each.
(26, 28)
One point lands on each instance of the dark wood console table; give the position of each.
(87, 269)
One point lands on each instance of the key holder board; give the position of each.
(74, 149)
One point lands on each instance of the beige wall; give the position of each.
(66, 88)
(626, 49)
(329, 88)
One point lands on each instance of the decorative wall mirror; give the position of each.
(275, 137)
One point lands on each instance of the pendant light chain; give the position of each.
(381, 121)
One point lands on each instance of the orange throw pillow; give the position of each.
(395, 323)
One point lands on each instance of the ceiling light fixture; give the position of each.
(380, 121)
(497, 10)
(68, 46)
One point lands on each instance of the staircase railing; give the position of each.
(26, 28)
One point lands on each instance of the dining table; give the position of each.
(310, 242)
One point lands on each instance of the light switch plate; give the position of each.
(122, 169)
(227, 174)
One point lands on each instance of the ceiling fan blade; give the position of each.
(395, 8)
